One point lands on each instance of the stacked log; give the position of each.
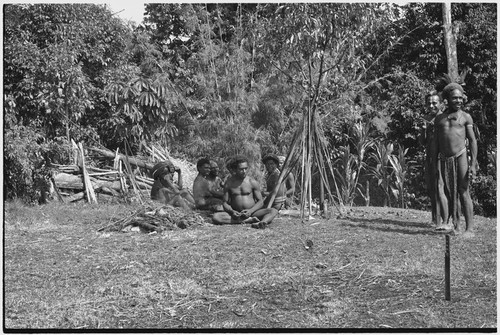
(119, 177)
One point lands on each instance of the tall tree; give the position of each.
(450, 42)
(54, 56)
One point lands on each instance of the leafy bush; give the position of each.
(27, 155)
(484, 188)
(484, 198)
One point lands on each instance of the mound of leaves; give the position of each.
(152, 217)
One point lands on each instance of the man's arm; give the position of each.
(226, 205)
(198, 190)
(212, 189)
(471, 136)
(434, 146)
(171, 187)
(290, 185)
(257, 195)
(179, 176)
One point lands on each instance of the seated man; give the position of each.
(214, 179)
(289, 183)
(243, 202)
(272, 163)
(206, 196)
(165, 190)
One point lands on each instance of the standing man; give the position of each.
(453, 127)
(206, 197)
(243, 202)
(433, 108)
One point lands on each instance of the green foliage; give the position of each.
(380, 169)
(27, 155)
(484, 195)
(141, 109)
(484, 189)
(350, 165)
(225, 79)
(347, 175)
(54, 57)
(400, 167)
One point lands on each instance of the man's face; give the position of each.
(433, 104)
(241, 170)
(456, 100)
(214, 169)
(270, 165)
(205, 169)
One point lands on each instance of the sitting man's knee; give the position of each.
(218, 218)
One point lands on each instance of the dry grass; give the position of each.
(378, 268)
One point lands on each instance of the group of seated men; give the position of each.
(237, 200)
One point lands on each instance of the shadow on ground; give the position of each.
(393, 226)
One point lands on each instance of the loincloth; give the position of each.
(278, 202)
(449, 174)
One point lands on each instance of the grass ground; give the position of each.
(378, 268)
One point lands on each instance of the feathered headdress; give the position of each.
(445, 84)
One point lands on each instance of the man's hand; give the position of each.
(473, 170)
(245, 214)
(236, 214)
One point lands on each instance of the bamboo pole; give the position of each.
(89, 189)
(132, 176)
(286, 168)
(320, 153)
(303, 176)
(117, 165)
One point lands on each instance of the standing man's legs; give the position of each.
(431, 183)
(442, 197)
(463, 191)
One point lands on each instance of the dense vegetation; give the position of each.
(223, 79)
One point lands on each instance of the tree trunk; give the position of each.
(450, 42)
(132, 160)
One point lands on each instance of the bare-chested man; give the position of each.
(206, 196)
(272, 163)
(243, 202)
(432, 106)
(452, 128)
(215, 180)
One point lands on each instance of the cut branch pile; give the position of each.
(157, 218)
(105, 175)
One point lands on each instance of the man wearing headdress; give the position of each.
(272, 164)
(165, 190)
(453, 129)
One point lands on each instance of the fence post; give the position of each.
(447, 293)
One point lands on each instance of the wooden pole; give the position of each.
(89, 188)
(447, 291)
(450, 42)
